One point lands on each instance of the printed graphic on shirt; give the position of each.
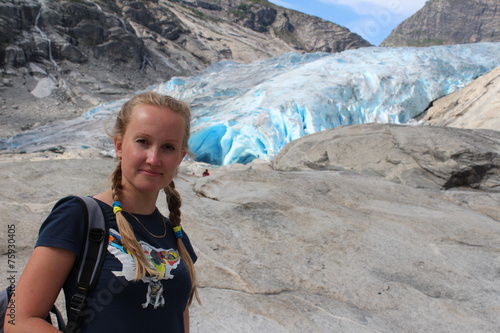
(164, 261)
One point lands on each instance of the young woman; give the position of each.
(147, 280)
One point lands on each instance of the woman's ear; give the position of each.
(118, 147)
(184, 153)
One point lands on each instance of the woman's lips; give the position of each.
(151, 173)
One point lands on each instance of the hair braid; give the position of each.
(128, 239)
(174, 203)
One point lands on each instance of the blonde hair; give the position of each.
(172, 195)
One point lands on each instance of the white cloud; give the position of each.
(286, 4)
(280, 3)
(395, 7)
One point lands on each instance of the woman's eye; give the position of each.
(141, 141)
(168, 147)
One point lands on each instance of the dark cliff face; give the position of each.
(59, 58)
(160, 38)
(447, 22)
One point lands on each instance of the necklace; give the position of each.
(149, 232)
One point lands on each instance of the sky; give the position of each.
(371, 19)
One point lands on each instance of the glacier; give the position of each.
(246, 111)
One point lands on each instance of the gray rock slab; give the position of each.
(330, 251)
(419, 156)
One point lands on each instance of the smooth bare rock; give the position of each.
(420, 156)
(337, 251)
(475, 106)
(32, 183)
(44, 87)
(305, 251)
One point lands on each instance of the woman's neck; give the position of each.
(138, 203)
(132, 202)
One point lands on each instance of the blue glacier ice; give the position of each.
(247, 111)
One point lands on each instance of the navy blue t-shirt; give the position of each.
(117, 303)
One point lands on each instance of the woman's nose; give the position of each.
(153, 157)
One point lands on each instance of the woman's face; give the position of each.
(151, 148)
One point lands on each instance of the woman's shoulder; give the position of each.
(68, 201)
(75, 204)
(64, 226)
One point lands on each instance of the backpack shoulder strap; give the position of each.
(91, 259)
(95, 247)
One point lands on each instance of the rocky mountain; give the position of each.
(445, 22)
(59, 58)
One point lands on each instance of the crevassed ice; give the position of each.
(247, 111)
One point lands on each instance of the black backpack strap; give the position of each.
(59, 318)
(91, 259)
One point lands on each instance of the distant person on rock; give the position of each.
(206, 173)
(147, 280)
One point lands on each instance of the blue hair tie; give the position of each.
(117, 207)
(178, 232)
